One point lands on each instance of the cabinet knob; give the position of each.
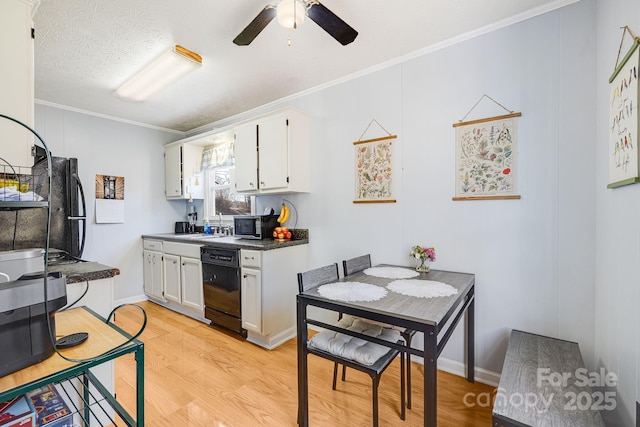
(245, 276)
(262, 183)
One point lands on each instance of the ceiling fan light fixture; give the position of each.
(290, 13)
(166, 69)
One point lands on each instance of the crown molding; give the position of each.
(107, 117)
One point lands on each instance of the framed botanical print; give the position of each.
(486, 158)
(374, 170)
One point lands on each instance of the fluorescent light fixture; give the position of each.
(165, 70)
(290, 13)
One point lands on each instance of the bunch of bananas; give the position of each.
(284, 214)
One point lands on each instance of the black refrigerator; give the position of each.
(27, 228)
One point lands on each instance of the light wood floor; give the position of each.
(196, 375)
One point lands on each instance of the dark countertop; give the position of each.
(226, 242)
(84, 271)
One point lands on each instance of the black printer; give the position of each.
(23, 321)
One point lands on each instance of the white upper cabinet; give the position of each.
(16, 82)
(182, 171)
(246, 155)
(282, 161)
(273, 156)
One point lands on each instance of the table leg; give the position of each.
(139, 356)
(430, 377)
(303, 385)
(86, 410)
(470, 331)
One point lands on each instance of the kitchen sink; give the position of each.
(203, 236)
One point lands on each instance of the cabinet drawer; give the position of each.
(153, 245)
(249, 258)
(182, 249)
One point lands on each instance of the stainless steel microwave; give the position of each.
(254, 226)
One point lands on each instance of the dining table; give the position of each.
(436, 317)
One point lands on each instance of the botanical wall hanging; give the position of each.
(374, 169)
(486, 157)
(623, 118)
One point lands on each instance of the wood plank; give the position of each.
(487, 119)
(200, 376)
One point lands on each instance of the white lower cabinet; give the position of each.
(191, 283)
(171, 265)
(251, 294)
(173, 276)
(268, 292)
(152, 269)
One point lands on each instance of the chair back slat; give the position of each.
(354, 265)
(319, 276)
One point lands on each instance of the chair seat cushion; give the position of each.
(352, 348)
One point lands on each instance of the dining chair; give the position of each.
(360, 263)
(364, 356)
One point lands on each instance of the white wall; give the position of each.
(108, 147)
(533, 258)
(617, 231)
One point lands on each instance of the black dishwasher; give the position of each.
(221, 277)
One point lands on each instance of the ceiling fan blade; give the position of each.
(331, 23)
(258, 24)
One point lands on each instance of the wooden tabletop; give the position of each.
(102, 338)
(432, 311)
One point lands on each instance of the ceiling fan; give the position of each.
(291, 14)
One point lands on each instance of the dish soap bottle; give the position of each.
(207, 227)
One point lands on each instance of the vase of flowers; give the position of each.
(423, 257)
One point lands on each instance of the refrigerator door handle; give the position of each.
(83, 217)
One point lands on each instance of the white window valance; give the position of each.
(218, 155)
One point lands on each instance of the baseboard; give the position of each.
(454, 367)
(130, 300)
(272, 341)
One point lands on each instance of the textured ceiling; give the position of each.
(84, 49)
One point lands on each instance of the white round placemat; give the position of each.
(352, 291)
(391, 272)
(422, 288)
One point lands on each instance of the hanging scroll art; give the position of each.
(486, 157)
(623, 119)
(374, 169)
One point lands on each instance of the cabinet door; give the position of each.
(16, 81)
(173, 171)
(172, 277)
(246, 157)
(191, 279)
(251, 297)
(152, 272)
(273, 153)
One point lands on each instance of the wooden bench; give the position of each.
(544, 383)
